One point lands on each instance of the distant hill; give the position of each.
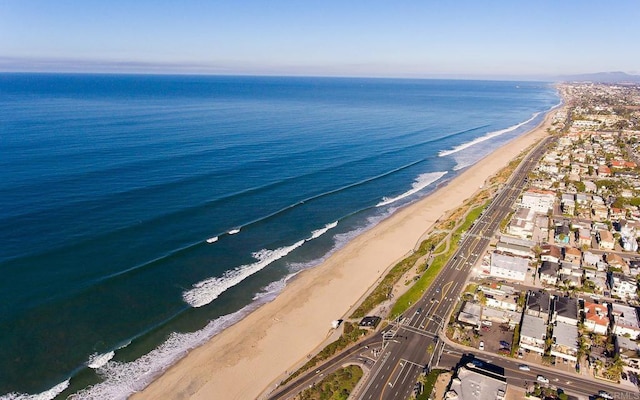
(603, 77)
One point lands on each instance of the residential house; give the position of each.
(572, 255)
(584, 237)
(538, 305)
(625, 321)
(605, 239)
(551, 253)
(548, 272)
(562, 232)
(522, 223)
(508, 267)
(515, 249)
(596, 317)
(600, 212)
(533, 333)
(566, 310)
(603, 171)
(616, 261)
(540, 201)
(565, 341)
(623, 286)
(568, 203)
(591, 259)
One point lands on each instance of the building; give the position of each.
(566, 310)
(533, 333)
(522, 223)
(625, 321)
(596, 318)
(508, 267)
(498, 299)
(473, 382)
(568, 203)
(623, 286)
(605, 239)
(548, 272)
(515, 249)
(470, 314)
(572, 255)
(540, 201)
(551, 253)
(538, 305)
(565, 341)
(584, 237)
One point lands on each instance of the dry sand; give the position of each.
(250, 356)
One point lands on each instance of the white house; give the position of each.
(533, 333)
(508, 267)
(625, 320)
(565, 341)
(540, 201)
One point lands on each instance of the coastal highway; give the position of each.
(402, 360)
(412, 342)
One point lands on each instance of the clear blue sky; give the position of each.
(420, 38)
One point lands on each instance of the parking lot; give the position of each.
(493, 335)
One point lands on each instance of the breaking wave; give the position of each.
(486, 137)
(420, 183)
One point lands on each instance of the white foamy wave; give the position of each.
(317, 233)
(98, 360)
(48, 395)
(234, 231)
(206, 291)
(486, 137)
(270, 291)
(462, 164)
(212, 239)
(421, 182)
(121, 380)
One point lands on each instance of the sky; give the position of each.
(422, 38)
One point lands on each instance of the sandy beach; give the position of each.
(245, 359)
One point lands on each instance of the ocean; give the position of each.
(142, 214)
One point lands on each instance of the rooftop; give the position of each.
(477, 384)
(533, 327)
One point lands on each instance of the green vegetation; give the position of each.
(416, 291)
(515, 343)
(336, 386)
(382, 291)
(430, 382)
(351, 333)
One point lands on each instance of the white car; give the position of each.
(481, 345)
(542, 379)
(524, 367)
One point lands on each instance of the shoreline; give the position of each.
(244, 360)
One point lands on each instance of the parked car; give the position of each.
(504, 344)
(542, 379)
(524, 367)
(481, 345)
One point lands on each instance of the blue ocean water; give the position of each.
(140, 215)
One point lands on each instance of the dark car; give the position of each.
(504, 344)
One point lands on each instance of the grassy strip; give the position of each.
(350, 334)
(336, 386)
(430, 383)
(416, 291)
(382, 291)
